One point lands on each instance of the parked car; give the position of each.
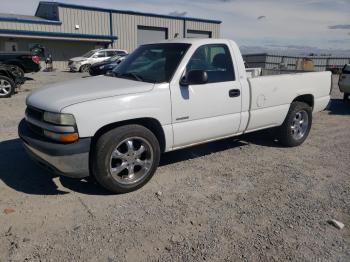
(24, 62)
(83, 63)
(165, 96)
(10, 79)
(102, 67)
(344, 82)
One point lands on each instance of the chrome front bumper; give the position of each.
(70, 160)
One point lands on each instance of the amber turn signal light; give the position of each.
(68, 137)
(65, 137)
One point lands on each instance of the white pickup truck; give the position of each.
(163, 97)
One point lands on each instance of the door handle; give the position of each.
(234, 93)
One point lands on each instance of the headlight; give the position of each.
(59, 119)
(101, 67)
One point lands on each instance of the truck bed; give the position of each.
(271, 96)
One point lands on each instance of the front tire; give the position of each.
(7, 87)
(85, 68)
(125, 158)
(296, 127)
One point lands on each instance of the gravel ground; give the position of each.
(242, 199)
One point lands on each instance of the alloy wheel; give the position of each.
(131, 160)
(5, 87)
(300, 124)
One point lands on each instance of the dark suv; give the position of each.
(24, 62)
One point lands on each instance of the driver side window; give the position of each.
(216, 60)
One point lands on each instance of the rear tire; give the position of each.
(85, 68)
(125, 158)
(296, 127)
(7, 87)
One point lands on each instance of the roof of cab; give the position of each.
(196, 41)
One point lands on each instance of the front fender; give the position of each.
(92, 115)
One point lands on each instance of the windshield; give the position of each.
(346, 69)
(154, 63)
(88, 54)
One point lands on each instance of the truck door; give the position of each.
(207, 111)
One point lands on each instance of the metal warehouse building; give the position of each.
(67, 30)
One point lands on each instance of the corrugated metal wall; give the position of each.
(201, 26)
(30, 26)
(125, 27)
(57, 48)
(90, 22)
(95, 24)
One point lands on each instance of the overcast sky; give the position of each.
(293, 24)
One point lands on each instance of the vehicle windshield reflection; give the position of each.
(154, 63)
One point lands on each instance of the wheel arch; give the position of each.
(150, 123)
(5, 74)
(15, 63)
(87, 64)
(306, 98)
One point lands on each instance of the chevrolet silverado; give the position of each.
(163, 97)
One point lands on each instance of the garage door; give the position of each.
(198, 34)
(146, 34)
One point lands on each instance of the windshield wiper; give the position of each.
(133, 75)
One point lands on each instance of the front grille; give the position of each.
(38, 115)
(36, 129)
(34, 113)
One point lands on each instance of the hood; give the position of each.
(57, 96)
(77, 59)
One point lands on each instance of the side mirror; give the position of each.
(194, 77)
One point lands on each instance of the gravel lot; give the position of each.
(242, 199)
